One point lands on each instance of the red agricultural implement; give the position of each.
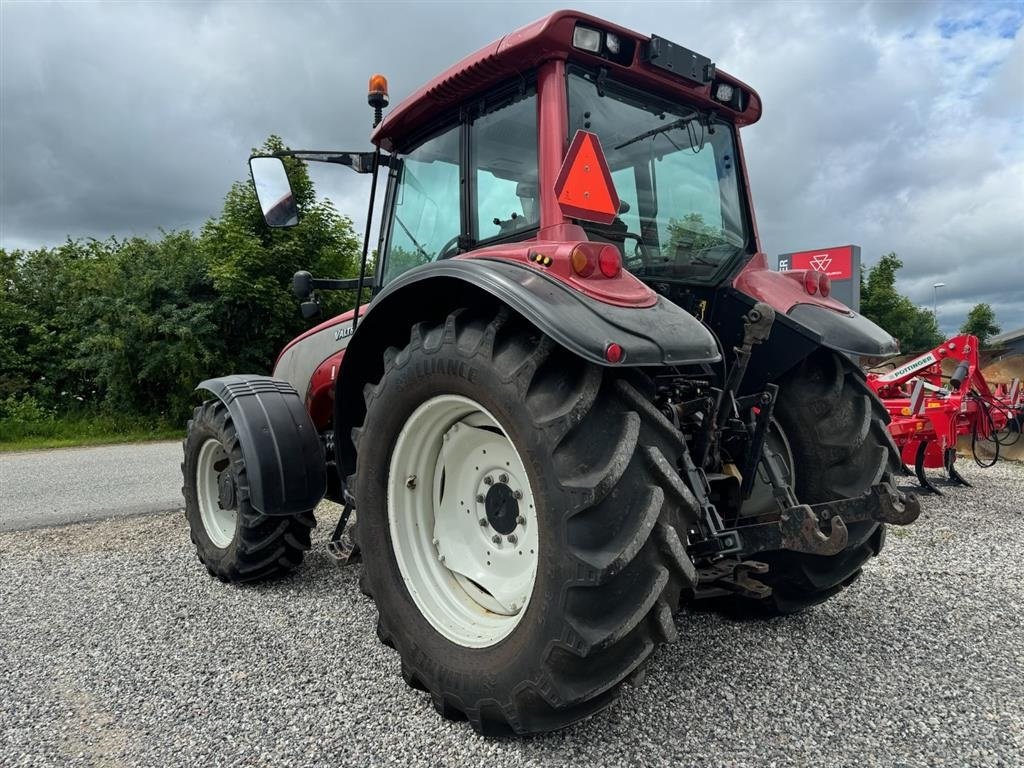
(931, 410)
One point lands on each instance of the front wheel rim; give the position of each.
(463, 521)
(218, 522)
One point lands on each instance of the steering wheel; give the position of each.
(450, 245)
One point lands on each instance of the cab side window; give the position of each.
(473, 183)
(503, 158)
(425, 218)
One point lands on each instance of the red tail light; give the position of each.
(824, 285)
(588, 258)
(811, 281)
(609, 261)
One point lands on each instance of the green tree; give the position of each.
(150, 320)
(981, 322)
(915, 328)
(133, 325)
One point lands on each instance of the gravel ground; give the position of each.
(116, 648)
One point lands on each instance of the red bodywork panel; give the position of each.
(924, 411)
(320, 397)
(548, 39)
(344, 317)
(779, 290)
(319, 394)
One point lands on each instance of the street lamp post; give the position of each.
(935, 300)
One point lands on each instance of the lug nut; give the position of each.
(520, 520)
(488, 480)
(410, 483)
(512, 539)
(503, 478)
(483, 522)
(479, 498)
(496, 539)
(517, 494)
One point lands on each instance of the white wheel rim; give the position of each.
(452, 463)
(219, 523)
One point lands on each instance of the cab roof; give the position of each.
(522, 51)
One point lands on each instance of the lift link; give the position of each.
(718, 542)
(342, 545)
(765, 402)
(799, 528)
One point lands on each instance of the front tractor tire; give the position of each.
(234, 541)
(839, 446)
(519, 517)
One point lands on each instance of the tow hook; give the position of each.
(800, 527)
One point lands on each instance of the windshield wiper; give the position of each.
(680, 123)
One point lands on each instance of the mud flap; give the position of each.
(284, 456)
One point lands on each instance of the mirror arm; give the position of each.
(329, 284)
(360, 162)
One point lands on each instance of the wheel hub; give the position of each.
(502, 508)
(227, 497)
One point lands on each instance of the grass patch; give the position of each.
(83, 429)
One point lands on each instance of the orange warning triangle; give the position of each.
(584, 187)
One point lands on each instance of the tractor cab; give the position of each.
(475, 181)
(476, 158)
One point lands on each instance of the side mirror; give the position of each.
(277, 201)
(302, 285)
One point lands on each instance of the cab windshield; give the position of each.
(675, 171)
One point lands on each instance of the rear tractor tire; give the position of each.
(519, 516)
(834, 429)
(233, 540)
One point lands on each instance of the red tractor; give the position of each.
(577, 397)
(930, 410)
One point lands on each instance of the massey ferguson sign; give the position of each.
(841, 263)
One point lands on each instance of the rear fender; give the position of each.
(662, 334)
(827, 321)
(284, 457)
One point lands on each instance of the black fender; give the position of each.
(795, 336)
(848, 332)
(663, 334)
(284, 456)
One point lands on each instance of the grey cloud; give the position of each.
(878, 130)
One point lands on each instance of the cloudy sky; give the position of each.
(898, 126)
